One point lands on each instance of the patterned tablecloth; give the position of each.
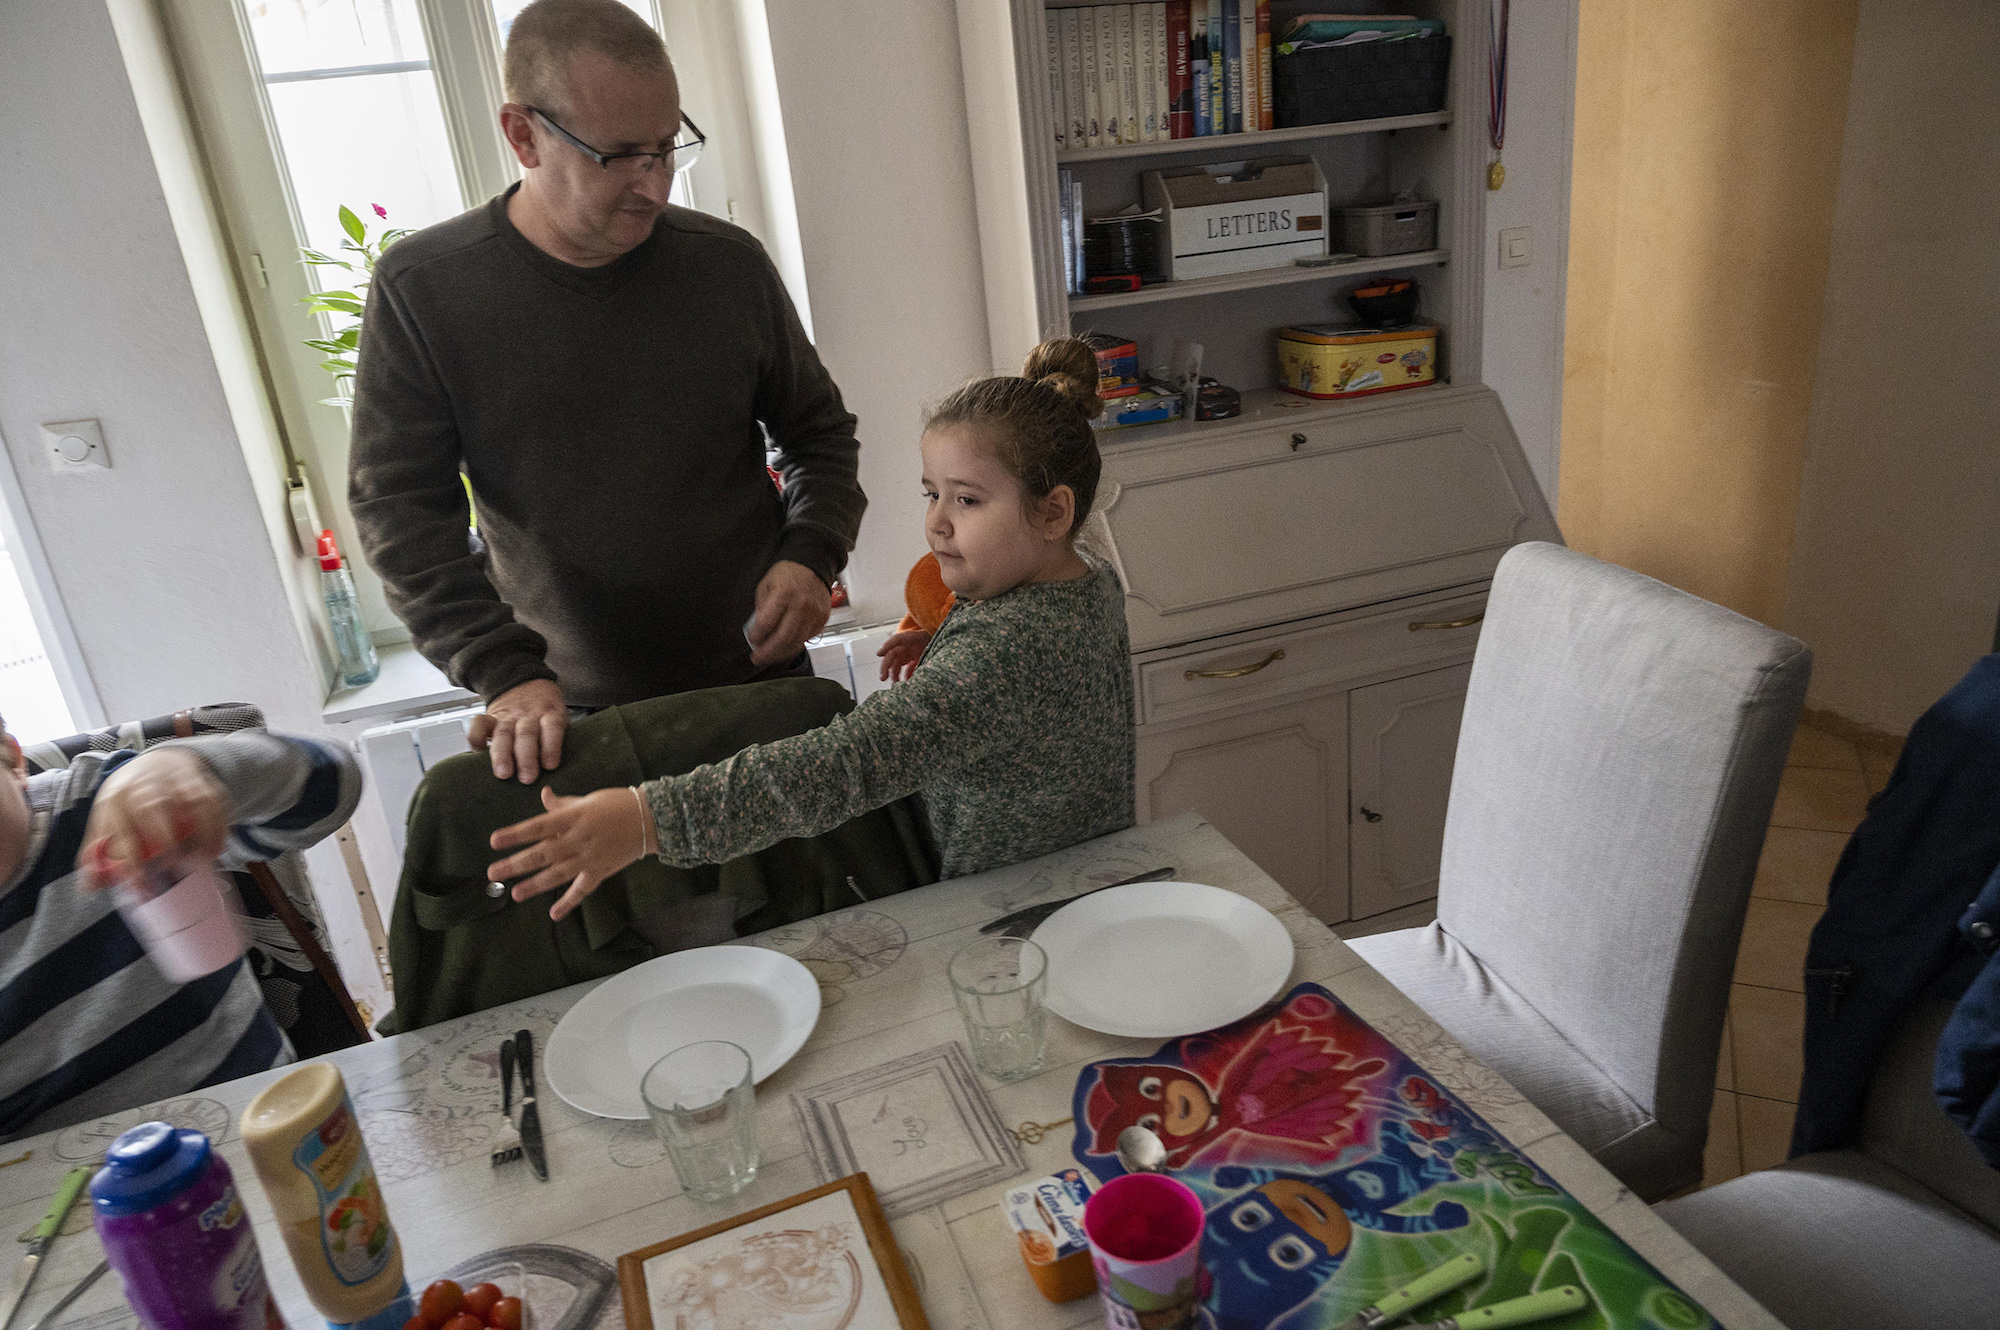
(429, 1105)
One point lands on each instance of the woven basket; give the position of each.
(1362, 82)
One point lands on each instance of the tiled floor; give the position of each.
(1822, 798)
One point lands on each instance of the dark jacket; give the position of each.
(453, 949)
(1901, 921)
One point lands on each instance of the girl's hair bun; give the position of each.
(1068, 365)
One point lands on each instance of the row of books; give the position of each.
(1149, 73)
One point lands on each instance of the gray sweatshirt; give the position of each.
(612, 423)
(1016, 728)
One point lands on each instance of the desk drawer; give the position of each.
(1402, 640)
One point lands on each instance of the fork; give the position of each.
(507, 1145)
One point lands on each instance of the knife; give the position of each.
(76, 1291)
(1515, 1311)
(40, 1240)
(1022, 922)
(531, 1117)
(1460, 1269)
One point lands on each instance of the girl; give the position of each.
(1017, 728)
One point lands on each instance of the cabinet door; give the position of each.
(1403, 736)
(1273, 781)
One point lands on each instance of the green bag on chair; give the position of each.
(454, 949)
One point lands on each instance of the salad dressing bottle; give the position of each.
(305, 1143)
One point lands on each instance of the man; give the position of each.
(604, 367)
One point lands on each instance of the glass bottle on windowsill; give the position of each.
(358, 663)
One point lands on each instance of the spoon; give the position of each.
(1141, 1151)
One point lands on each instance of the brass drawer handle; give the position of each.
(1419, 625)
(1236, 673)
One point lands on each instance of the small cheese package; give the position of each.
(1047, 1215)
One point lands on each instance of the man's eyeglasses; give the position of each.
(687, 145)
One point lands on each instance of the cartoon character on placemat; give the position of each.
(1275, 1240)
(1294, 1079)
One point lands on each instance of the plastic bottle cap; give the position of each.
(329, 552)
(146, 1166)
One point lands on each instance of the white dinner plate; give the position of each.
(759, 999)
(1158, 959)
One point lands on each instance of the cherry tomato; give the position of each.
(506, 1314)
(479, 1299)
(441, 1301)
(418, 1322)
(464, 1321)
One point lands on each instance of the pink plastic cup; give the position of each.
(185, 925)
(1145, 1244)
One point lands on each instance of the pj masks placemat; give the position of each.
(1334, 1170)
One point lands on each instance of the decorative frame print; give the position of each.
(922, 1126)
(821, 1260)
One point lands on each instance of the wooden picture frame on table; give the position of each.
(713, 1272)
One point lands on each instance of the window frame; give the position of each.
(215, 52)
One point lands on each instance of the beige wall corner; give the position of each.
(1708, 142)
(1896, 576)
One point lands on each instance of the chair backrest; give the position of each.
(1620, 753)
(1903, 1127)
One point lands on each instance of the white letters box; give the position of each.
(1269, 213)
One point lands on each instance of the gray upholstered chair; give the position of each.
(1619, 756)
(1900, 1230)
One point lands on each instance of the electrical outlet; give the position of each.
(1517, 247)
(75, 445)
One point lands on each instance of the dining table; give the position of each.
(429, 1105)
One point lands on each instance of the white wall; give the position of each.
(882, 175)
(165, 562)
(1524, 306)
(162, 562)
(1895, 574)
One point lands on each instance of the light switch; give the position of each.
(75, 445)
(1517, 247)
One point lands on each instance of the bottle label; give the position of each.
(353, 1224)
(240, 1280)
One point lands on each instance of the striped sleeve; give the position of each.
(285, 792)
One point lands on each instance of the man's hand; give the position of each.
(792, 605)
(901, 653)
(522, 730)
(163, 806)
(577, 843)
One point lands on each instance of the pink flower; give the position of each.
(380, 211)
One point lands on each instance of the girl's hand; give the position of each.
(901, 653)
(578, 843)
(163, 807)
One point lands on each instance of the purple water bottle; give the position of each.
(174, 1228)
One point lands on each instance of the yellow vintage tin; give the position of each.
(1328, 360)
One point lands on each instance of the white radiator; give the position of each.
(396, 756)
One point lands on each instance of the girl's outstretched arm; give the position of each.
(949, 714)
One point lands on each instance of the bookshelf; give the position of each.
(1261, 141)
(1440, 155)
(1250, 281)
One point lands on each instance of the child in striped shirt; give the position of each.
(88, 1024)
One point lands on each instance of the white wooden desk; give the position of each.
(429, 1104)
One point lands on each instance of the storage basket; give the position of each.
(1375, 229)
(1362, 82)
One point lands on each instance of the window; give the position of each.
(304, 106)
(356, 110)
(31, 699)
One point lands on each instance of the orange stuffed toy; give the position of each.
(928, 600)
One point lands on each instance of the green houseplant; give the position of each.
(359, 255)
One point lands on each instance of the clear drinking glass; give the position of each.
(1000, 983)
(704, 1108)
